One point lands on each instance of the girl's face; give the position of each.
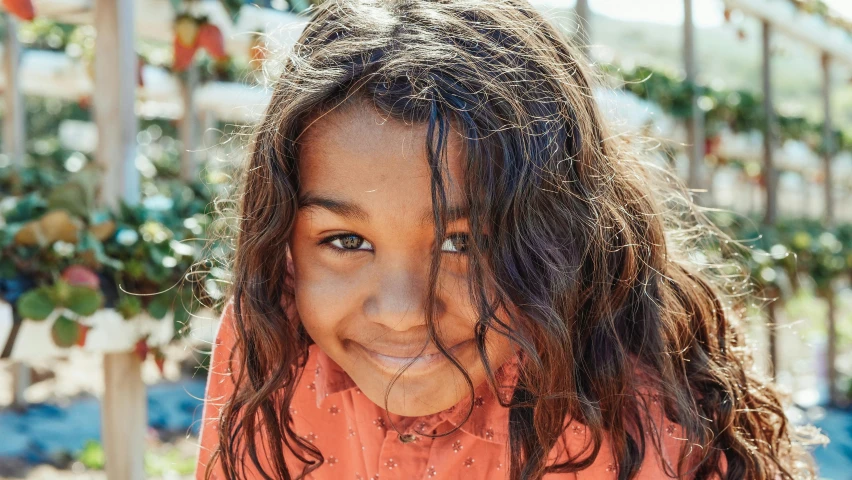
(361, 248)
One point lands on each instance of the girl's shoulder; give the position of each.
(665, 440)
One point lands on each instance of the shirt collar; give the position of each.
(488, 419)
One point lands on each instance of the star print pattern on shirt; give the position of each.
(357, 442)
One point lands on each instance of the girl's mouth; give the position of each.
(416, 364)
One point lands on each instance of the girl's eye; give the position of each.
(456, 243)
(348, 242)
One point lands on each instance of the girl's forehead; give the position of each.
(360, 152)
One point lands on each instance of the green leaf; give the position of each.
(88, 242)
(71, 197)
(160, 305)
(60, 294)
(84, 301)
(135, 269)
(36, 304)
(65, 332)
(129, 305)
(93, 456)
(8, 269)
(27, 208)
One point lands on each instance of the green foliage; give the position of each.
(65, 332)
(142, 249)
(92, 456)
(779, 255)
(36, 304)
(84, 301)
(129, 306)
(160, 462)
(739, 110)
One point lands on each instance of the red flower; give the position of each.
(183, 55)
(81, 276)
(210, 39)
(22, 9)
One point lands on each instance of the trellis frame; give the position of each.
(833, 46)
(829, 43)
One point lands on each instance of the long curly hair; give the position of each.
(600, 253)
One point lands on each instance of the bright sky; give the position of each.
(707, 13)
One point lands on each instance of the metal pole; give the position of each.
(769, 176)
(695, 123)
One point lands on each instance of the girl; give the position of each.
(447, 267)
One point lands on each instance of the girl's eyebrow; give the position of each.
(347, 209)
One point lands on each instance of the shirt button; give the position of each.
(407, 438)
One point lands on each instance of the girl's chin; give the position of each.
(417, 395)
(413, 404)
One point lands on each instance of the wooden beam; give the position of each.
(828, 220)
(14, 136)
(124, 410)
(696, 176)
(770, 180)
(804, 27)
(114, 101)
(281, 28)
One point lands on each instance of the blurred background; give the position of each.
(123, 120)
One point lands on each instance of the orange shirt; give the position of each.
(355, 437)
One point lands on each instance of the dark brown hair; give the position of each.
(590, 245)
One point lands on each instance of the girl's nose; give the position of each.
(399, 301)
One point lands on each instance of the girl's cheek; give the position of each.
(315, 297)
(325, 297)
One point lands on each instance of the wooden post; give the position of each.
(769, 172)
(14, 147)
(189, 126)
(696, 177)
(14, 136)
(828, 140)
(583, 15)
(21, 379)
(124, 414)
(770, 179)
(114, 101)
(828, 220)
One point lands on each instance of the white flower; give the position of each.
(127, 237)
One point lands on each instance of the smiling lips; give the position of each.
(412, 364)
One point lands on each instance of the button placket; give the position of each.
(403, 452)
